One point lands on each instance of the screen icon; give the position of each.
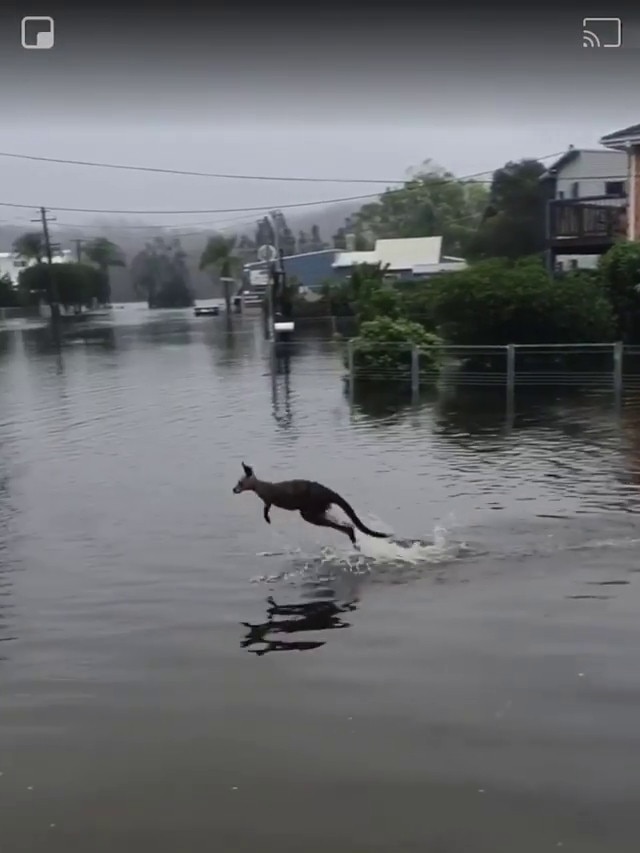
(602, 32)
(37, 32)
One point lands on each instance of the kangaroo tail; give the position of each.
(350, 511)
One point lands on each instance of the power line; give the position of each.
(200, 210)
(239, 177)
(188, 172)
(263, 208)
(433, 182)
(164, 171)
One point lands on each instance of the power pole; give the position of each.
(78, 249)
(54, 298)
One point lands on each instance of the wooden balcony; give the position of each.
(586, 226)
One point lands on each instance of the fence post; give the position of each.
(618, 357)
(511, 379)
(351, 369)
(415, 371)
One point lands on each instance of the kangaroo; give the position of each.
(311, 499)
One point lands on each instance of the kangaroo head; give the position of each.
(246, 483)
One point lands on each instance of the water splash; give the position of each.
(375, 558)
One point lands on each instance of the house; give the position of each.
(586, 208)
(11, 265)
(626, 142)
(309, 269)
(403, 258)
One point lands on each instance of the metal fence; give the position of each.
(610, 366)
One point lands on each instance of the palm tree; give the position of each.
(220, 256)
(104, 254)
(30, 246)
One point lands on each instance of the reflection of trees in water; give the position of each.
(98, 336)
(482, 412)
(232, 340)
(460, 412)
(167, 330)
(7, 342)
(378, 403)
(322, 614)
(281, 385)
(7, 514)
(630, 423)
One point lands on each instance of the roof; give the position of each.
(627, 134)
(568, 157)
(258, 264)
(400, 254)
(445, 266)
(350, 259)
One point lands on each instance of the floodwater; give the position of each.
(471, 688)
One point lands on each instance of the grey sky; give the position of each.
(366, 103)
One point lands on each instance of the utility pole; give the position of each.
(78, 249)
(54, 298)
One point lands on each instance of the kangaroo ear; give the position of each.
(248, 470)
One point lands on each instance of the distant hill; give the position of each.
(132, 240)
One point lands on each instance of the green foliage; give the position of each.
(160, 273)
(383, 348)
(365, 294)
(432, 203)
(219, 255)
(30, 246)
(514, 222)
(104, 254)
(619, 269)
(498, 302)
(77, 284)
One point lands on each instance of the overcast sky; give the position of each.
(309, 91)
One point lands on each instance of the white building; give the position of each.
(597, 174)
(403, 258)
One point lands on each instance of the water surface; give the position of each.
(476, 691)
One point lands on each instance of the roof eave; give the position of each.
(620, 143)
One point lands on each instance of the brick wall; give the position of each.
(634, 193)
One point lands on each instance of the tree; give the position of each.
(316, 243)
(619, 269)
(432, 203)
(104, 254)
(160, 272)
(513, 225)
(219, 255)
(498, 302)
(78, 284)
(30, 246)
(304, 242)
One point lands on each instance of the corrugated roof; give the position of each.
(400, 254)
(631, 132)
(409, 251)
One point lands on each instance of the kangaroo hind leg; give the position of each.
(320, 520)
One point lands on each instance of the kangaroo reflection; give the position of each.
(318, 615)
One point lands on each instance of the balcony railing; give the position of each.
(592, 222)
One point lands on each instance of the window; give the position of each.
(573, 264)
(559, 266)
(560, 193)
(575, 190)
(614, 188)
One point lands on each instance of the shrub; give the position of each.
(620, 273)
(383, 349)
(498, 302)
